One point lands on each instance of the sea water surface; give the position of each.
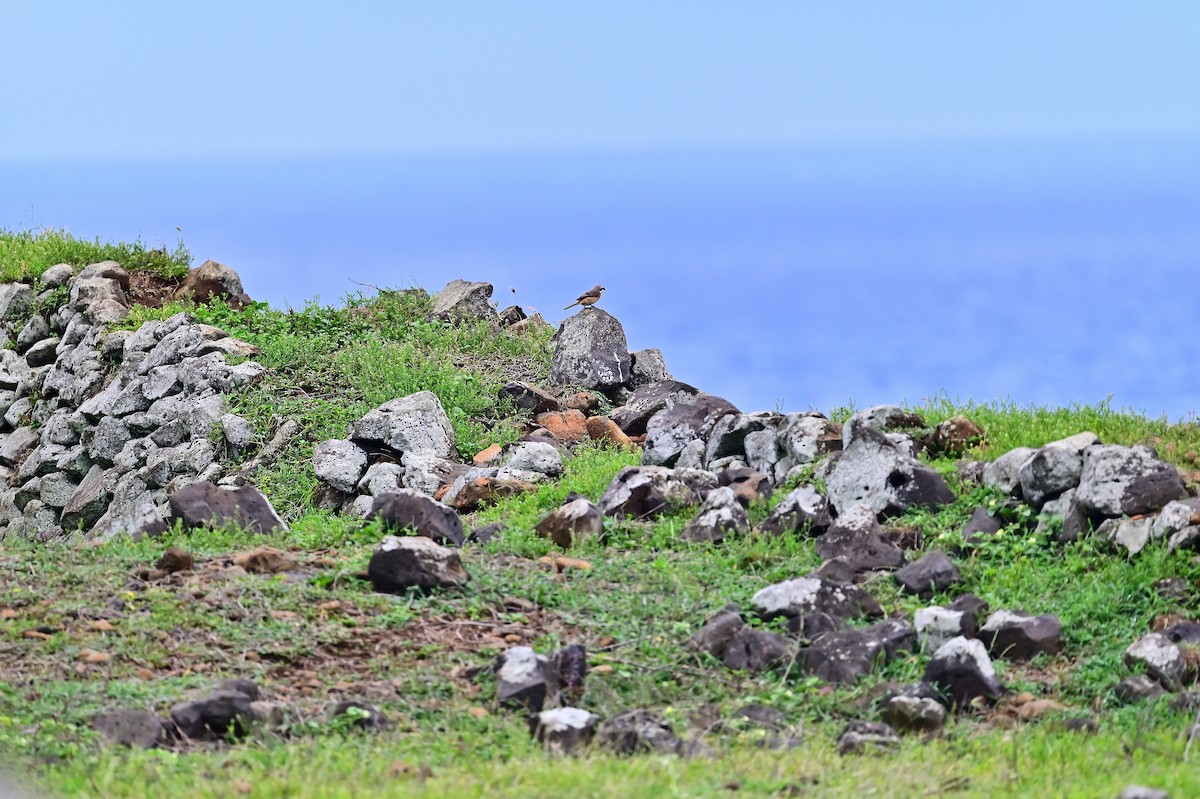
(1051, 273)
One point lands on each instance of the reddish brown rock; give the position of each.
(486, 490)
(605, 430)
(955, 436)
(487, 456)
(583, 401)
(565, 426)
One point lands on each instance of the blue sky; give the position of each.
(117, 80)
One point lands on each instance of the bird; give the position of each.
(589, 297)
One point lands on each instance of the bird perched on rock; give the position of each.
(588, 297)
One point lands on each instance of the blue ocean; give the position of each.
(794, 279)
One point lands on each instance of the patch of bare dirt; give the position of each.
(151, 289)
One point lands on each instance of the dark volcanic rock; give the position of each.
(1020, 636)
(205, 504)
(637, 731)
(672, 429)
(406, 509)
(414, 562)
(930, 574)
(961, 670)
(859, 540)
(133, 728)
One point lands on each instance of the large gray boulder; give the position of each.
(874, 472)
(401, 563)
(882, 418)
(416, 423)
(1126, 481)
(1004, 473)
(644, 491)
(671, 430)
(859, 540)
(464, 301)
(590, 351)
(1054, 468)
(649, 399)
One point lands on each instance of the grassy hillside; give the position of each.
(90, 627)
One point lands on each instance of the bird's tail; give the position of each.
(572, 305)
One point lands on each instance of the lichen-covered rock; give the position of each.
(873, 472)
(401, 563)
(590, 350)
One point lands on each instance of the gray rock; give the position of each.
(406, 509)
(524, 679)
(882, 418)
(339, 463)
(803, 596)
(57, 275)
(1020, 636)
(644, 491)
(1004, 473)
(646, 367)
(571, 522)
(728, 435)
(43, 352)
(1161, 658)
(35, 330)
(238, 432)
(1054, 468)
(842, 657)
(874, 473)
(937, 625)
(673, 428)
(857, 538)
(1142, 792)
(90, 499)
(530, 459)
(649, 399)
(15, 446)
(914, 713)
(381, 478)
(108, 438)
(400, 563)
(426, 472)
(590, 350)
(720, 515)
(203, 504)
(637, 732)
(19, 412)
(565, 730)
(1132, 535)
(861, 736)
(962, 671)
(56, 489)
(139, 729)
(1176, 516)
(803, 509)
(804, 438)
(932, 573)
(15, 300)
(1126, 481)
(417, 423)
(463, 301)
(1065, 509)
(100, 295)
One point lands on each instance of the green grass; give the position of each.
(25, 255)
(320, 632)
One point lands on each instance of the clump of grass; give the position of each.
(26, 254)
